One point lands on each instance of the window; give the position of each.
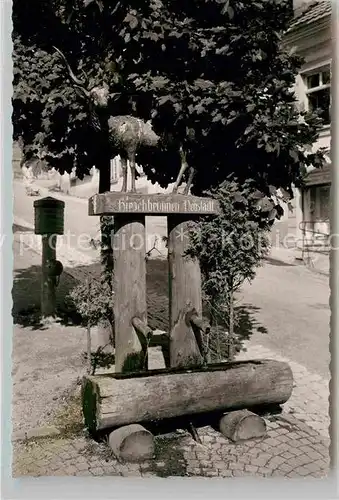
(324, 202)
(319, 93)
(115, 169)
(320, 203)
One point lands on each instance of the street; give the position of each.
(293, 306)
(76, 222)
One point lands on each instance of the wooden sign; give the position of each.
(111, 203)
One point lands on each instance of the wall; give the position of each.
(299, 4)
(313, 43)
(16, 159)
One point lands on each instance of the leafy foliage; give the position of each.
(230, 246)
(214, 77)
(101, 359)
(93, 301)
(212, 74)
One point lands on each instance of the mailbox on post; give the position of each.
(49, 216)
(49, 222)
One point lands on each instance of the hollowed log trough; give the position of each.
(110, 401)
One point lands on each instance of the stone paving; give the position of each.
(309, 402)
(296, 444)
(290, 449)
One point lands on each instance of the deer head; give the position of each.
(97, 95)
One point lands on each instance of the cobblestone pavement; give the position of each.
(309, 402)
(296, 444)
(290, 449)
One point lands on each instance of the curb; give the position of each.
(37, 432)
(61, 196)
(295, 260)
(70, 259)
(22, 222)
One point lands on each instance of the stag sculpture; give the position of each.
(128, 135)
(183, 169)
(125, 133)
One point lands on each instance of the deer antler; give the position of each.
(76, 80)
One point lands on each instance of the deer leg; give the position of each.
(189, 181)
(132, 167)
(124, 174)
(183, 169)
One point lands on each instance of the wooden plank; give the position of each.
(129, 285)
(111, 203)
(184, 294)
(109, 401)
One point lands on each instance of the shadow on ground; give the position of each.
(246, 323)
(279, 263)
(27, 285)
(16, 228)
(26, 299)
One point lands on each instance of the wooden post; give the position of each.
(129, 210)
(129, 286)
(49, 222)
(184, 293)
(48, 284)
(88, 332)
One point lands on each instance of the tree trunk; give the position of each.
(184, 294)
(231, 325)
(129, 284)
(106, 222)
(112, 401)
(104, 330)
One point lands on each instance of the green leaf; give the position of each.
(217, 117)
(164, 99)
(132, 20)
(294, 155)
(230, 12)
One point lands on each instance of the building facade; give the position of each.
(310, 35)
